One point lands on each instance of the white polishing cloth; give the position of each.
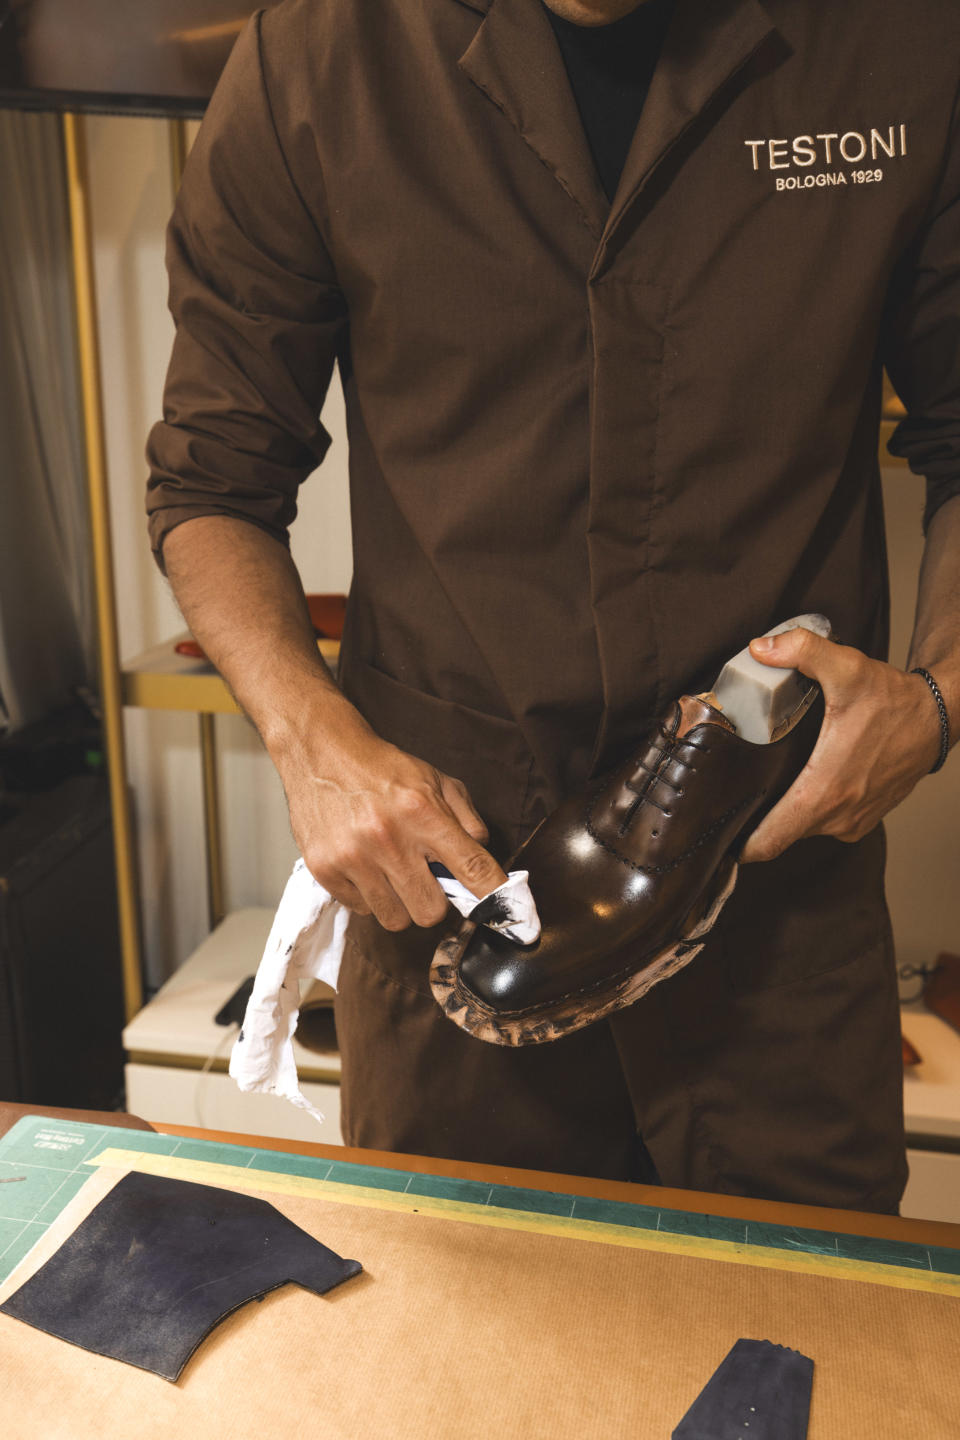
(306, 943)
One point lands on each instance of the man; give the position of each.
(596, 443)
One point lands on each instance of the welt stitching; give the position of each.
(665, 869)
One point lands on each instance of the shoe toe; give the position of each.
(496, 970)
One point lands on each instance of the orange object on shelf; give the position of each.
(327, 614)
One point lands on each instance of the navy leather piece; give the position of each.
(159, 1262)
(761, 1391)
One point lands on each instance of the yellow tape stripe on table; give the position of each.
(233, 1177)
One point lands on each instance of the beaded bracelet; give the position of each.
(942, 712)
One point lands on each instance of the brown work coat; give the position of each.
(594, 448)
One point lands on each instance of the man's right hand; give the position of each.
(367, 817)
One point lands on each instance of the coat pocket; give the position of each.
(486, 752)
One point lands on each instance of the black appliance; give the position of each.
(61, 993)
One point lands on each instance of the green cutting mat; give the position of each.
(43, 1163)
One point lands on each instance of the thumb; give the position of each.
(798, 649)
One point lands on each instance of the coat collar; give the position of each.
(706, 46)
(515, 60)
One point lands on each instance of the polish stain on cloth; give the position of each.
(306, 943)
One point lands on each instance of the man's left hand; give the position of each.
(880, 735)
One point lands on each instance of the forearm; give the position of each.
(366, 816)
(239, 591)
(936, 636)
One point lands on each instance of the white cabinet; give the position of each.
(178, 1054)
(931, 1102)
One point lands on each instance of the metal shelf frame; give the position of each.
(159, 679)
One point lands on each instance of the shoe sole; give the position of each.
(543, 1023)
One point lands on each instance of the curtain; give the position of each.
(47, 617)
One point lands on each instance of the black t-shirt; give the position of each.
(610, 69)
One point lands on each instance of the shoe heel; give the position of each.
(761, 700)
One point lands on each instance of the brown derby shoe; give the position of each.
(628, 875)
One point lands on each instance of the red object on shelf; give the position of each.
(326, 614)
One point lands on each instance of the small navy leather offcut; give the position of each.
(760, 1391)
(159, 1262)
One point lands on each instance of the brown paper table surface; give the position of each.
(474, 1330)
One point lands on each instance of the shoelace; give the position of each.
(663, 753)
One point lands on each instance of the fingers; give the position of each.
(831, 796)
(873, 745)
(439, 824)
(469, 863)
(384, 879)
(368, 890)
(341, 889)
(814, 806)
(449, 829)
(838, 669)
(404, 900)
(789, 820)
(378, 861)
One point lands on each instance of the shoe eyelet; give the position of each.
(668, 813)
(654, 832)
(678, 792)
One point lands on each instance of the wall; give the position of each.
(131, 197)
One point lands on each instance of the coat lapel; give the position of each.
(515, 60)
(705, 46)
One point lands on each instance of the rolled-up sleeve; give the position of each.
(259, 318)
(922, 351)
